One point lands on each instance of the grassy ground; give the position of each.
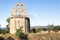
(38, 36)
(45, 36)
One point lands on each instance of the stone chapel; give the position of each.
(19, 18)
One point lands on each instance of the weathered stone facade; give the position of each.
(19, 20)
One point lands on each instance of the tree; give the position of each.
(50, 27)
(44, 29)
(38, 29)
(34, 30)
(3, 32)
(8, 20)
(56, 28)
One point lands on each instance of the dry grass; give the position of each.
(45, 36)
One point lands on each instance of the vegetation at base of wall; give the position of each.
(20, 34)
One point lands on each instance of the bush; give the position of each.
(34, 30)
(20, 33)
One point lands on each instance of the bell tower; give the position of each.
(19, 18)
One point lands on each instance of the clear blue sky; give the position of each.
(41, 12)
